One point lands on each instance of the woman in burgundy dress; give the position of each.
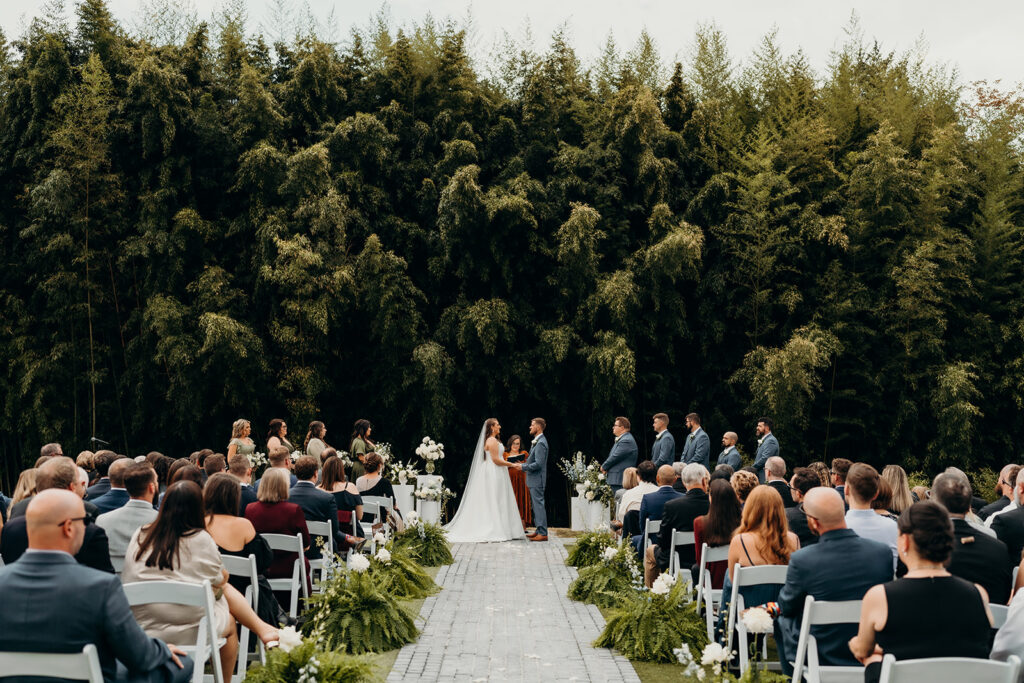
(518, 477)
(273, 514)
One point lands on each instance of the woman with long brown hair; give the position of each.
(314, 445)
(515, 453)
(717, 527)
(277, 435)
(345, 493)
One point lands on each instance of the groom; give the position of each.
(536, 468)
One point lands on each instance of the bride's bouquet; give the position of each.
(575, 470)
(430, 451)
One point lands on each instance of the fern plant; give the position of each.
(648, 627)
(426, 543)
(353, 613)
(603, 583)
(312, 664)
(589, 548)
(397, 573)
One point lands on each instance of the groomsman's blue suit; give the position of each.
(697, 448)
(624, 454)
(536, 468)
(769, 447)
(663, 452)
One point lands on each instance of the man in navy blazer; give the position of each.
(767, 445)
(53, 604)
(103, 460)
(663, 452)
(840, 566)
(117, 496)
(623, 454)
(317, 505)
(652, 505)
(697, 447)
(241, 470)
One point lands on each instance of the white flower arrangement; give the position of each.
(310, 672)
(713, 662)
(663, 584)
(412, 518)
(403, 473)
(257, 460)
(429, 450)
(296, 454)
(600, 476)
(714, 653)
(757, 620)
(589, 495)
(358, 563)
(384, 451)
(383, 556)
(575, 470)
(288, 638)
(434, 490)
(610, 552)
(379, 538)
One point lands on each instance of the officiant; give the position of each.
(515, 453)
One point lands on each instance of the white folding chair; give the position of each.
(322, 529)
(208, 641)
(949, 670)
(297, 582)
(1013, 577)
(652, 526)
(385, 506)
(78, 666)
(772, 574)
(376, 512)
(999, 613)
(679, 540)
(711, 597)
(806, 665)
(245, 567)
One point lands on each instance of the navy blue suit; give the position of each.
(697, 448)
(95, 550)
(53, 604)
(294, 480)
(248, 496)
(840, 566)
(663, 452)
(111, 500)
(623, 455)
(317, 506)
(98, 489)
(651, 508)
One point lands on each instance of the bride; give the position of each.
(488, 511)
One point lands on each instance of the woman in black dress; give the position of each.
(345, 493)
(929, 612)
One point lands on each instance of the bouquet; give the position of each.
(403, 473)
(575, 469)
(434, 490)
(384, 451)
(257, 461)
(595, 485)
(296, 454)
(431, 452)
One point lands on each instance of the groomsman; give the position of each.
(729, 455)
(663, 452)
(767, 445)
(698, 444)
(623, 454)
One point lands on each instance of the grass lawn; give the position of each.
(383, 661)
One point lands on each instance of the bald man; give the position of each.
(729, 455)
(117, 496)
(825, 572)
(54, 604)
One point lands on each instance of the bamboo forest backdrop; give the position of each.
(201, 222)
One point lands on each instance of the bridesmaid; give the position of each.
(240, 441)
(513, 449)
(359, 447)
(276, 435)
(315, 444)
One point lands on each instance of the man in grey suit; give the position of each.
(730, 455)
(536, 468)
(767, 445)
(697, 447)
(623, 454)
(53, 604)
(121, 524)
(663, 452)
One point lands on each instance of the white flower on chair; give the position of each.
(757, 620)
(379, 538)
(358, 563)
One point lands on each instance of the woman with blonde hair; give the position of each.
(25, 487)
(896, 477)
(743, 482)
(240, 441)
(823, 472)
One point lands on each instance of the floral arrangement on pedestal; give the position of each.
(402, 473)
(602, 583)
(595, 485)
(589, 548)
(575, 469)
(648, 625)
(713, 666)
(354, 613)
(304, 660)
(397, 572)
(431, 452)
(434, 490)
(425, 543)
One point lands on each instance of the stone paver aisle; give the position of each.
(503, 616)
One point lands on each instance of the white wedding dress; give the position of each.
(488, 511)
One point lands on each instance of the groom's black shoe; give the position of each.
(537, 538)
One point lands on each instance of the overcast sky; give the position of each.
(980, 38)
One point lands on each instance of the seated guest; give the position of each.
(1008, 524)
(646, 482)
(1009, 639)
(273, 514)
(317, 505)
(775, 476)
(372, 483)
(346, 495)
(177, 547)
(237, 536)
(678, 515)
(116, 496)
(804, 479)
(241, 470)
(840, 469)
(976, 557)
(862, 488)
(102, 460)
(677, 467)
(823, 472)
(920, 493)
(85, 460)
(25, 488)
(1004, 489)
(53, 604)
(629, 481)
(653, 504)
(214, 464)
(279, 457)
(743, 482)
(122, 523)
(927, 613)
(186, 472)
(825, 571)
(716, 528)
(902, 498)
(723, 471)
(58, 473)
(883, 501)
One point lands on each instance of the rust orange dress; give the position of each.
(518, 478)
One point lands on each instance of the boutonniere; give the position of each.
(534, 442)
(691, 436)
(660, 434)
(619, 437)
(760, 441)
